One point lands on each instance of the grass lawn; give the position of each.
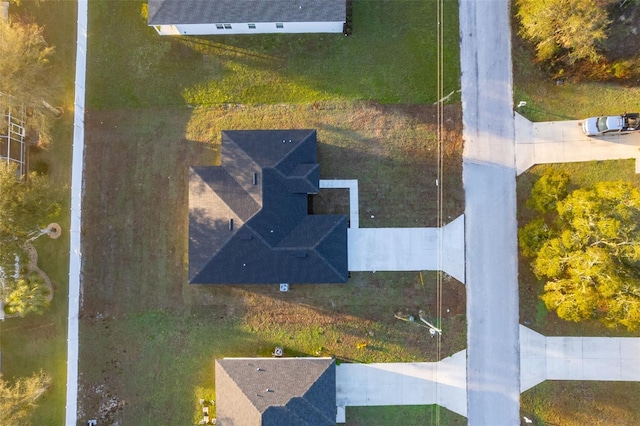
(582, 403)
(572, 100)
(40, 342)
(390, 58)
(408, 415)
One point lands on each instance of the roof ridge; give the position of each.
(295, 148)
(324, 237)
(242, 392)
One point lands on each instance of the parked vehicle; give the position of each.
(624, 123)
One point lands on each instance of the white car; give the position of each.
(625, 123)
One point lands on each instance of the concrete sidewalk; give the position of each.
(408, 249)
(75, 255)
(419, 383)
(577, 358)
(352, 186)
(564, 142)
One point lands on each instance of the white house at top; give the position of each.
(210, 17)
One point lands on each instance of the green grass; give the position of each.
(569, 403)
(40, 342)
(571, 100)
(408, 415)
(390, 58)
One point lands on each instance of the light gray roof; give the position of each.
(276, 391)
(175, 12)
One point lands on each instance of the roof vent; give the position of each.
(230, 224)
(259, 369)
(269, 390)
(255, 178)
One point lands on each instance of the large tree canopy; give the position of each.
(573, 28)
(26, 80)
(17, 400)
(591, 259)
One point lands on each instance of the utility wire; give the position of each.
(439, 180)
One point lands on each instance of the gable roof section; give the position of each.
(276, 391)
(176, 12)
(248, 220)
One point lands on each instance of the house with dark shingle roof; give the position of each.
(249, 218)
(275, 391)
(210, 17)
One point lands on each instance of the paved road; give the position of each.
(493, 364)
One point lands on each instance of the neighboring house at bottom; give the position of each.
(249, 220)
(211, 17)
(275, 391)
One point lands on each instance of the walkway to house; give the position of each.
(401, 249)
(564, 142)
(417, 383)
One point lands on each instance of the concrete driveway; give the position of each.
(416, 383)
(408, 249)
(564, 142)
(577, 358)
(401, 249)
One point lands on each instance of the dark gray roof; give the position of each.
(175, 12)
(275, 391)
(248, 218)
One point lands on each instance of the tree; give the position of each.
(592, 263)
(26, 80)
(27, 204)
(533, 235)
(18, 399)
(548, 190)
(28, 295)
(574, 28)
